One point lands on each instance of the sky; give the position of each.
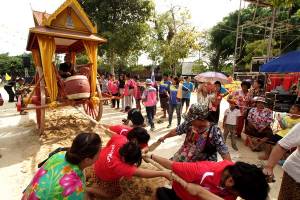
(16, 17)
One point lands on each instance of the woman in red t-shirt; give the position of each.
(120, 159)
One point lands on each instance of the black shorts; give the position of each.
(187, 100)
(164, 102)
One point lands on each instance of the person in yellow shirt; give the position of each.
(286, 122)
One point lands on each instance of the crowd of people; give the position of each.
(172, 93)
(206, 178)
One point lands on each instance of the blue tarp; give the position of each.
(289, 62)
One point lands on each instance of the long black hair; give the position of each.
(85, 145)
(139, 134)
(131, 153)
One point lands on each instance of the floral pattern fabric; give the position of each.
(256, 93)
(242, 100)
(260, 118)
(56, 179)
(194, 144)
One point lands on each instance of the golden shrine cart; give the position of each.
(67, 30)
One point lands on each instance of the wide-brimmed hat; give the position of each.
(259, 99)
(148, 81)
(197, 111)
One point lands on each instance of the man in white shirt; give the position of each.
(290, 185)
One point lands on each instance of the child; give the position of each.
(120, 158)
(21, 92)
(149, 99)
(286, 122)
(229, 122)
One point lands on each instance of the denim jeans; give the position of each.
(176, 107)
(150, 115)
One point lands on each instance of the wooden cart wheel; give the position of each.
(40, 93)
(95, 111)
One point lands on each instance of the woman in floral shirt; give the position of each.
(203, 139)
(259, 121)
(242, 98)
(61, 176)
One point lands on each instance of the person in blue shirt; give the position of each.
(164, 88)
(187, 89)
(174, 102)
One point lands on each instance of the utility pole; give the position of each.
(237, 36)
(269, 51)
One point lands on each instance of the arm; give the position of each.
(146, 173)
(144, 95)
(276, 154)
(224, 120)
(291, 140)
(172, 133)
(218, 141)
(166, 163)
(107, 131)
(225, 94)
(199, 191)
(226, 157)
(280, 121)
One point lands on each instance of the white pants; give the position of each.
(128, 101)
(121, 91)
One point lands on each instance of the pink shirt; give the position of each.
(113, 86)
(137, 91)
(129, 85)
(149, 96)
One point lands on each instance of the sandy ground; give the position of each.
(22, 149)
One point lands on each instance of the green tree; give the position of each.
(81, 59)
(199, 67)
(13, 65)
(123, 23)
(259, 48)
(172, 38)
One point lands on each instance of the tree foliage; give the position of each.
(172, 38)
(223, 35)
(123, 23)
(13, 65)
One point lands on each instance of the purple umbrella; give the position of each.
(212, 77)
